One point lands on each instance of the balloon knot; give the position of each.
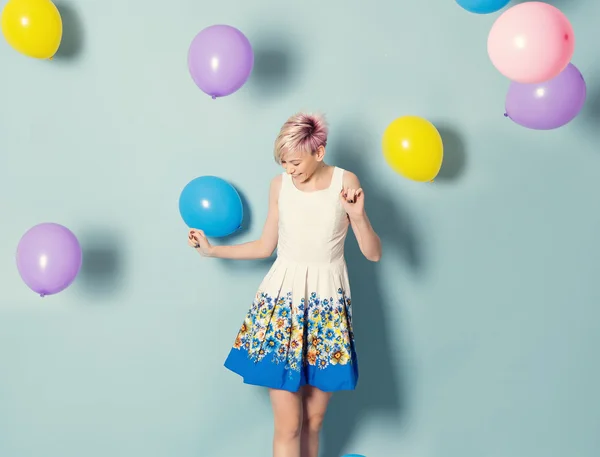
(505, 114)
(42, 295)
(214, 97)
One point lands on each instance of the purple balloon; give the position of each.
(220, 60)
(547, 105)
(48, 258)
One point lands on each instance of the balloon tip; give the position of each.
(42, 295)
(505, 114)
(214, 97)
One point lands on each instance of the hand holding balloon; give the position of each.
(197, 239)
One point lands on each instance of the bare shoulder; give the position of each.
(275, 186)
(276, 183)
(351, 180)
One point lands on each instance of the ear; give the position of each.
(320, 153)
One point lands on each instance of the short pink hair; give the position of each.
(302, 132)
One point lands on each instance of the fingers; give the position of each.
(351, 195)
(195, 236)
(196, 233)
(193, 241)
(347, 195)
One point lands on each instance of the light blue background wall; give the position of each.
(478, 330)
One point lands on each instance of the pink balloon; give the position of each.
(531, 42)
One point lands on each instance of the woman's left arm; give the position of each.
(353, 201)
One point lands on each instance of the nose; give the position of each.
(289, 170)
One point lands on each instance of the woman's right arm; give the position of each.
(258, 249)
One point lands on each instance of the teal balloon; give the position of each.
(211, 204)
(483, 6)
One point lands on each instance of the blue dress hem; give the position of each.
(274, 376)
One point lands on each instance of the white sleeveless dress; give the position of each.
(299, 328)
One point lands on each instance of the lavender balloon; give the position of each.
(547, 105)
(48, 258)
(220, 60)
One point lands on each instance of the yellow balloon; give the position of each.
(32, 27)
(413, 147)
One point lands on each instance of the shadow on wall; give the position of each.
(73, 37)
(379, 343)
(455, 156)
(102, 272)
(235, 238)
(590, 115)
(274, 69)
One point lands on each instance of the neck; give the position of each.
(321, 168)
(321, 173)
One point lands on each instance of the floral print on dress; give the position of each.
(317, 333)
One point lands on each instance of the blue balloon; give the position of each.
(211, 204)
(483, 6)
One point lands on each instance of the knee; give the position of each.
(313, 422)
(288, 429)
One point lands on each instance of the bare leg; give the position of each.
(315, 403)
(287, 415)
